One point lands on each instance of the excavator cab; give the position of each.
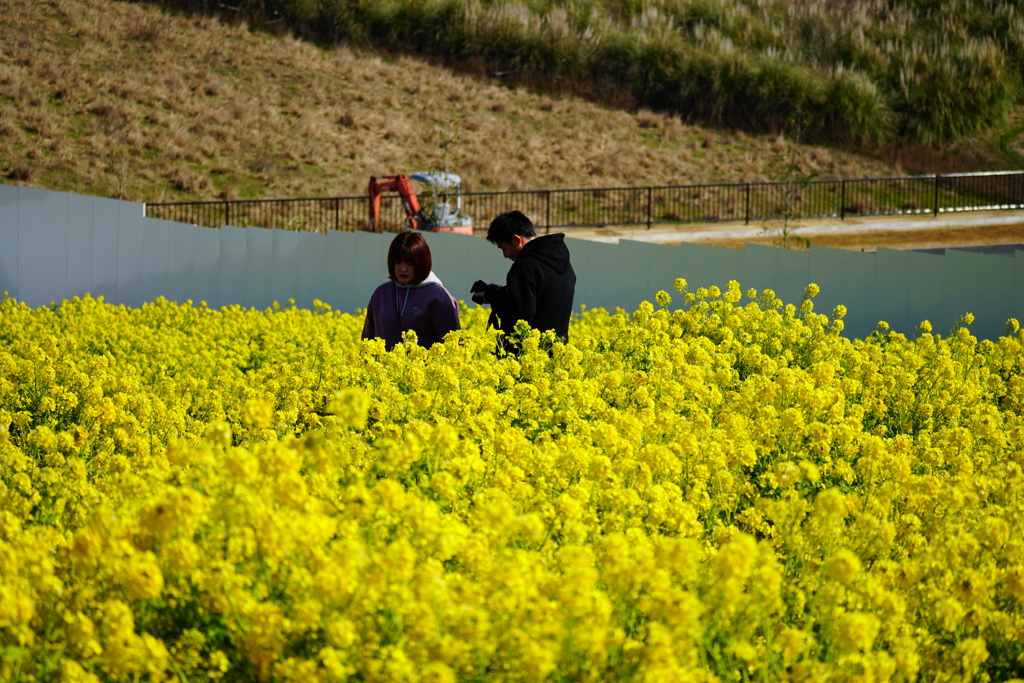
(438, 216)
(444, 187)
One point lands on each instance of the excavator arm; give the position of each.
(392, 183)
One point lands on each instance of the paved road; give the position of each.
(700, 233)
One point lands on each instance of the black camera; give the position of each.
(477, 290)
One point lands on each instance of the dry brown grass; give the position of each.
(120, 99)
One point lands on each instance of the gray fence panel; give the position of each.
(826, 271)
(925, 300)
(207, 267)
(633, 272)
(792, 274)
(1018, 285)
(370, 267)
(493, 266)
(155, 264)
(233, 265)
(606, 280)
(663, 270)
(313, 272)
(54, 246)
(760, 267)
(31, 248)
(54, 229)
(9, 239)
(995, 298)
(259, 268)
(460, 260)
(727, 264)
(104, 249)
(130, 231)
(858, 288)
(701, 265)
(961, 270)
(579, 255)
(79, 245)
(287, 261)
(341, 255)
(892, 288)
(181, 261)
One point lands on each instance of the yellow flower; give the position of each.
(973, 653)
(856, 631)
(844, 567)
(257, 413)
(949, 612)
(142, 577)
(351, 406)
(219, 434)
(791, 643)
(72, 672)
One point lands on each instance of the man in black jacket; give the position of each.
(541, 282)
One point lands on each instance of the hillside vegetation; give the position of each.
(127, 100)
(852, 72)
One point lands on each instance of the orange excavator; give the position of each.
(438, 217)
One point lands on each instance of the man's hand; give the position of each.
(478, 290)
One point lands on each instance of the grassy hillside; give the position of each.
(863, 72)
(125, 100)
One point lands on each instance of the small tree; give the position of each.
(785, 170)
(449, 135)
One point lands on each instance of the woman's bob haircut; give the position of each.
(410, 247)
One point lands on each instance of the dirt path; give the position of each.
(860, 234)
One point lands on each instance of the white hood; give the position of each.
(431, 279)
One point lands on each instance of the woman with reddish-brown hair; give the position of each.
(412, 298)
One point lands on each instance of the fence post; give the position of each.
(650, 190)
(547, 222)
(227, 213)
(746, 210)
(936, 205)
(842, 199)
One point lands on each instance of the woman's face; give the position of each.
(404, 272)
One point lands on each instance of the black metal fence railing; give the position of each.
(625, 206)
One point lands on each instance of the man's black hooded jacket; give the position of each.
(539, 288)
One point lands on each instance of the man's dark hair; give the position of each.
(508, 224)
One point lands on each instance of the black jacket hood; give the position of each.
(549, 250)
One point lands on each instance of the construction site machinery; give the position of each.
(437, 217)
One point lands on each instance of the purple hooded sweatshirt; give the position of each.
(426, 308)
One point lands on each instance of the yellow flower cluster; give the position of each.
(722, 489)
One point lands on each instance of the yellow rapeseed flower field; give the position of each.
(717, 486)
